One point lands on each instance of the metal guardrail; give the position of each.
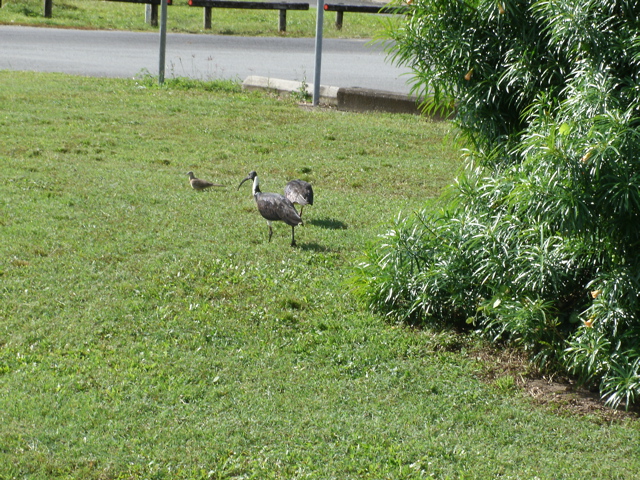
(340, 8)
(282, 7)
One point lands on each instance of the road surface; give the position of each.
(345, 63)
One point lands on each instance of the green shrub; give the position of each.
(537, 242)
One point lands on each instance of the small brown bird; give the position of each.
(199, 184)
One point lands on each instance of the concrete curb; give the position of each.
(348, 99)
(328, 95)
(366, 99)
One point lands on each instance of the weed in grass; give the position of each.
(505, 384)
(301, 94)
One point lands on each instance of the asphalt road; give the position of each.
(345, 63)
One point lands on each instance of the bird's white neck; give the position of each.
(256, 185)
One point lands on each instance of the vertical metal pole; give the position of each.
(163, 41)
(316, 74)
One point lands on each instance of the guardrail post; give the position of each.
(151, 14)
(339, 15)
(207, 18)
(48, 8)
(153, 17)
(282, 24)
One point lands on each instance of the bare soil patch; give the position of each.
(557, 392)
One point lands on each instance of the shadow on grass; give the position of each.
(329, 223)
(313, 247)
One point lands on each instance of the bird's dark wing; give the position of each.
(308, 193)
(274, 207)
(299, 191)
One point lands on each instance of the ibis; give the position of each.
(199, 184)
(300, 192)
(274, 207)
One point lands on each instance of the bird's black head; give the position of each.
(252, 175)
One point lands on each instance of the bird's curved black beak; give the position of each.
(248, 178)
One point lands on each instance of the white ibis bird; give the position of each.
(300, 192)
(199, 184)
(274, 207)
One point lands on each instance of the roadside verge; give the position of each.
(349, 99)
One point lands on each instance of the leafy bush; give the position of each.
(537, 242)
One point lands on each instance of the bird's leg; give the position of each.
(301, 207)
(293, 236)
(270, 231)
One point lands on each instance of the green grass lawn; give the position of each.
(148, 331)
(102, 14)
